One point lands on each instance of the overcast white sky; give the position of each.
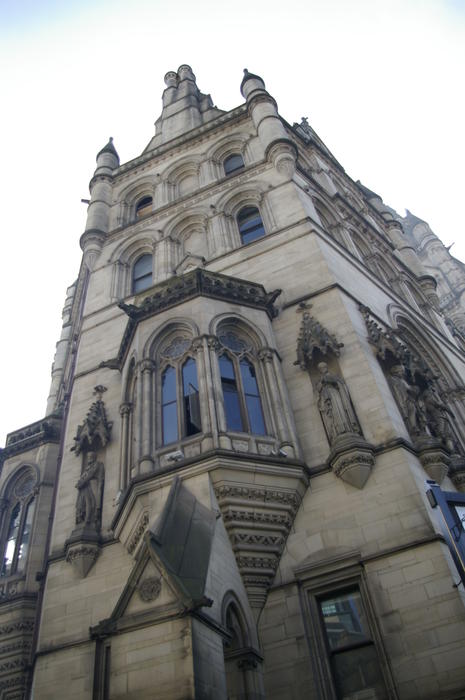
(382, 82)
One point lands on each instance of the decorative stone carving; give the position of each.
(407, 398)
(314, 339)
(82, 557)
(90, 492)
(352, 460)
(258, 521)
(138, 532)
(434, 458)
(351, 457)
(82, 548)
(335, 405)
(149, 589)
(95, 432)
(422, 398)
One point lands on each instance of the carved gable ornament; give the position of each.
(314, 339)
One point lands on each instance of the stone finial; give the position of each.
(109, 148)
(171, 79)
(185, 73)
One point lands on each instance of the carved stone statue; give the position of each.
(335, 405)
(408, 399)
(90, 490)
(438, 416)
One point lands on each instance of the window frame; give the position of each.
(142, 210)
(236, 169)
(141, 277)
(240, 229)
(244, 413)
(318, 581)
(11, 502)
(178, 364)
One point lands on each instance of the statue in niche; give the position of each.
(439, 417)
(90, 491)
(408, 399)
(92, 436)
(335, 405)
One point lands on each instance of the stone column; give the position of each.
(125, 412)
(147, 367)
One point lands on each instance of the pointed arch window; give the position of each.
(180, 401)
(233, 163)
(142, 273)
(242, 404)
(17, 525)
(143, 207)
(250, 224)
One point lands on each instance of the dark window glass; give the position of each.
(142, 273)
(143, 207)
(353, 656)
(232, 407)
(250, 224)
(169, 406)
(191, 402)
(25, 536)
(233, 163)
(12, 535)
(252, 398)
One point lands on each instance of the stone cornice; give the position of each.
(33, 435)
(178, 290)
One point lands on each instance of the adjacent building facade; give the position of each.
(256, 417)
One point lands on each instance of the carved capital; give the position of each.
(147, 365)
(125, 409)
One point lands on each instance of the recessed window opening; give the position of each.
(250, 224)
(143, 207)
(233, 163)
(352, 652)
(142, 273)
(242, 404)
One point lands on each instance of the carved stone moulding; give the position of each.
(352, 459)
(258, 520)
(434, 458)
(82, 556)
(457, 472)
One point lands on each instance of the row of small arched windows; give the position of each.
(250, 225)
(231, 165)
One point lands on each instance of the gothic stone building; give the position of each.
(246, 481)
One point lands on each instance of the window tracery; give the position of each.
(18, 517)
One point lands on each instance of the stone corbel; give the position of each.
(352, 459)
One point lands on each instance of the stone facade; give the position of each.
(261, 365)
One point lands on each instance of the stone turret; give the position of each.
(279, 148)
(98, 212)
(184, 107)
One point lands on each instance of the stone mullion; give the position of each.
(273, 398)
(207, 397)
(146, 458)
(289, 430)
(125, 412)
(213, 346)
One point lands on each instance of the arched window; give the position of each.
(233, 163)
(17, 525)
(180, 402)
(143, 207)
(250, 224)
(142, 273)
(242, 404)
